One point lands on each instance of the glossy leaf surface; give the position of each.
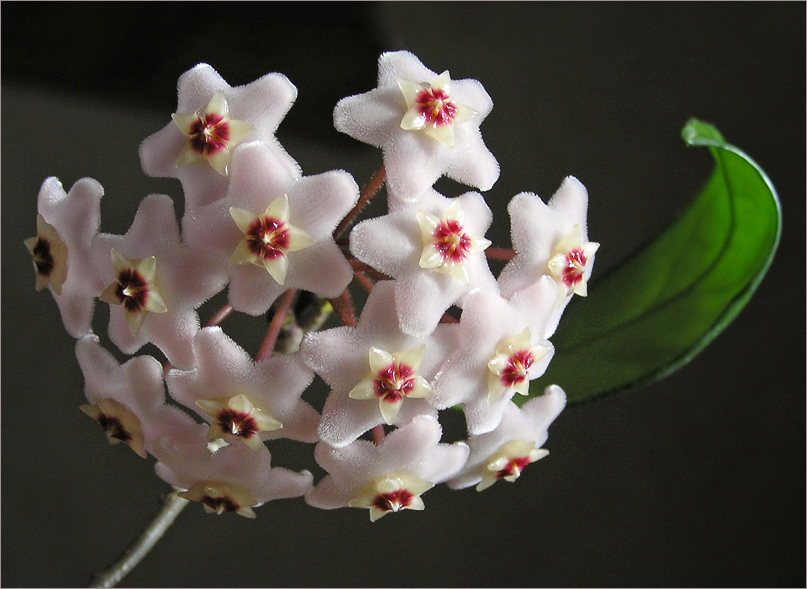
(661, 307)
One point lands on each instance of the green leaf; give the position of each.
(661, 307)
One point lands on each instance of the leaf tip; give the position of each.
(696, 132)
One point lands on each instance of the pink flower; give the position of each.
(180, 277)
(427, 125)
(66, 225)
(550, 240)
(275, 229)
(128, 400)
(515, 443)
(245, 401)
(434, 251)
(388, 477)
(500, 349)
(234, 479)
(377, 373)
(212, 119)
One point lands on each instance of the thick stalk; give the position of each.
(174, 504)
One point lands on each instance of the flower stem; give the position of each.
(220, 315)
(343, 306)
(174, 504)
(365, 282)
(270, 338)
(364, 197)
(500, 253)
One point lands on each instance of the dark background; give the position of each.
(698, 480)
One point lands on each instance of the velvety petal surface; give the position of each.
(186, 277)
(76, 216)
(224, 369)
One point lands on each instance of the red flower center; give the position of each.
(220, 504)
(436, 106)
(132, 290)
(514, 467)
(43, 258)
(114, 428)
(209, 134)
(236, 423)
(575, 267)
(268, 238)
(451, 241)
(394, 382)
(518, 364)
(393, 501)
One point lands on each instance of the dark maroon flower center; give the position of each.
(268, 238)
(393, 501)
(394, 382)
(574, 268)
(517, 366)
(209, 134)
(114, 428)
(514, 467)
(132, 290)
(220, 504)
(42, 257)
(436, 106)
(236, 423)
(451, 241)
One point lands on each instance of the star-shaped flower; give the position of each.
(377, 373)
(232, 480)
(388, 477)
(151, 254)
(504, 452)
(392, 378)
(212, 119)
(275, 229)
(50, 256)
(135, 289)
(500, 349)
(432, 109)
(66, 225)
(245, 401)
(550, 239)
(434, 251)
(212, 134)
(128, 400)
(427, 125)
(447, 245)
(268, 238)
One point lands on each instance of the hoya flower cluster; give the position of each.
(438, 329)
